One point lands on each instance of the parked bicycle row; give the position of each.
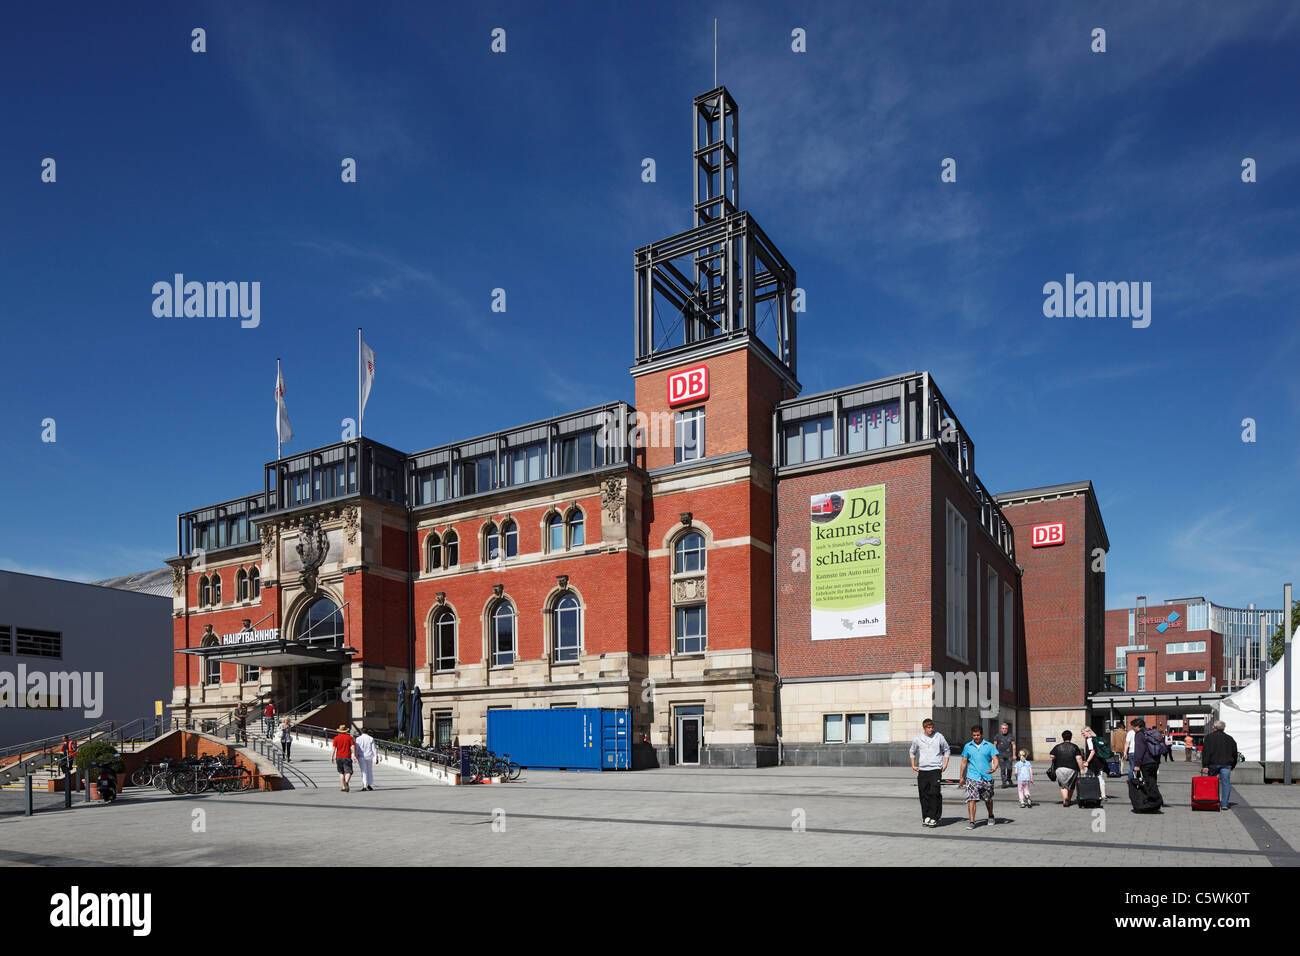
(194, 775)
(483, 762)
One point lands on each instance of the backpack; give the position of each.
(1102, 748)
(1156, 746)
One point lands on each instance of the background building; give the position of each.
(671, 557)
(114, 640)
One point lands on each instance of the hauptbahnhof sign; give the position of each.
(264, 636)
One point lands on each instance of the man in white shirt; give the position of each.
(366, 753)
(1128, 750)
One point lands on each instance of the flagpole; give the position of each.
(361, 411)
(277, 417)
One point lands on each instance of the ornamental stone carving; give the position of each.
(350, 524)
(441, 597)
(313, 545)
(268, 542)
(563, 581)
(178, 580)
(691, 589)
(613, 496)
(498, 589)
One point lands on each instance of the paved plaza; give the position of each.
(865, 816)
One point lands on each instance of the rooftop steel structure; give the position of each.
(723, 279)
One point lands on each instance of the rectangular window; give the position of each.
(564, 706)
(874, 427)
(833, 728)
(692, 637)
(879, 728)
(688, 435)
(212, 671)
(527, 463)
(857, 728)
(995, 646)
(6, 640)
(251, 672)
(1185, 647)
(442, 729)
(431, 485)
(1008, 638)
(809, 440)
(958, 586)
(29, 642)
(578, 453)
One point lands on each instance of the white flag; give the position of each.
(367, 373)
(283, 430)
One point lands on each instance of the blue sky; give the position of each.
(522, 171)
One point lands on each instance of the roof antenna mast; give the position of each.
(715, 53)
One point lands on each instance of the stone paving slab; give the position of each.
(850, 816)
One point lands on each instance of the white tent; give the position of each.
(1240, 713)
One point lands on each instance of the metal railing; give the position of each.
(45, 743)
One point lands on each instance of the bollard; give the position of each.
(86, 783)
(67, 789)
(27, 809)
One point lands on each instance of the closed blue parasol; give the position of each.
(401, 707)
(417, 718)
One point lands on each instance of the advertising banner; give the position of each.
(847, 563)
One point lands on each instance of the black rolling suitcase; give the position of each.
(1087, 791)
(1144, 794)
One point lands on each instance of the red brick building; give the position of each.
(672, 558)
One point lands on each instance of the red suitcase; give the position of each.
(1205, 792)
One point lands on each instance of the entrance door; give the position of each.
(314, 680)
(690, 731)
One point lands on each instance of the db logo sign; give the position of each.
(1041, 535)
(689, 385)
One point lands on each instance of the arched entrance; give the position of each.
(319, 624)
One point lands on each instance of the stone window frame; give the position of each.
(575, 511)
(550, 628)
(254, 583)
(436, 613)
(215, 583)
(489, 631)
(204, 591)
(433, 540)
(241, 586)
(508, 524)
(485, 531)
(689, 588)
(547, 548)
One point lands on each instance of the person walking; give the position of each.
(929, 755)
(1024, 778)
(286, 739)
(268, 718)
(1128, 748)
(1093, 762)
(342, 748)
(1189, 747)
(240, 716)
(1067, 764)
(1006, 744)
(1169, 747)
(979, 761)
(1148, 748)
(366, 753)
(1219, 756)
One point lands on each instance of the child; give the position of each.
(1024, 778)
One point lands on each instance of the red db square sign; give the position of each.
(1041, 535)
(688, 385)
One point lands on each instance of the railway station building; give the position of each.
(758, 575)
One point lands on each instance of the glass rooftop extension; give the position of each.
(889, 412)
(572, 444)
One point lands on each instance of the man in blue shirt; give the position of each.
(979, 761)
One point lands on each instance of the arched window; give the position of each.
(444, 640)
(211, 666)
(567, 627)
(576, 536)
(503, 634)
(216, 589)
(510, 531)
(554, 533)
(322, 623)
(433, 552)
(451, 549)
(254, 584)
(491, 542)
(688, 553)
(205, 591)
(241, 585)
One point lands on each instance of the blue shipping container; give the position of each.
(588, 738)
